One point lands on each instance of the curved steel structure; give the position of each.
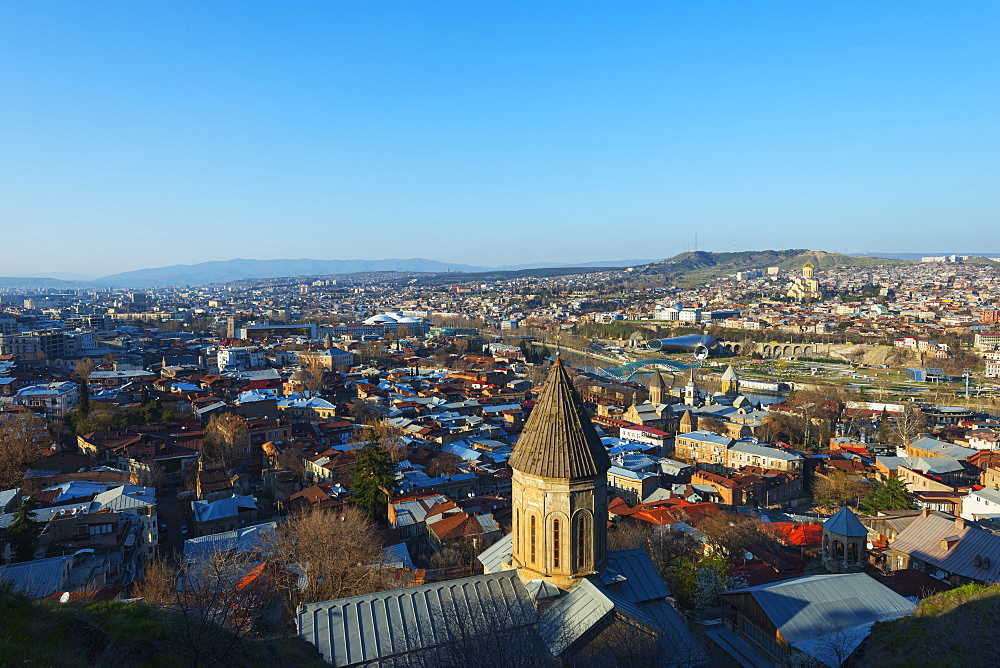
(626, 371)
(702, 345)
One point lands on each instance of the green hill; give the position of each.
(955, 628)
(989, 262)
(701, 266)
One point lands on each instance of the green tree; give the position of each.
(700, 582)
(889, 495)
(84, 403)
(372, 481)
(23, 532)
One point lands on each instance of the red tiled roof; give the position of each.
(799, 535)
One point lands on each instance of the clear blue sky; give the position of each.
(137, 134)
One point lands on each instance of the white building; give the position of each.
(241, 359)
(54, 399)
(982, 504)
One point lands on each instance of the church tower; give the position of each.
(808, 270)
(559, 489)
(691, 392)
(730, 382)
(656, 388)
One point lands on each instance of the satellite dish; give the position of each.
(64, 598)
(748, 555)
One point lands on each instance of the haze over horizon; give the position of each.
(143, 135)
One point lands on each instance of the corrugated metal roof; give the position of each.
(38, 578)
(764, 451)
(566, 620)
(205, 511)
(642, 582)
(559, 440)
(258, 537)
(809, 607)
(496, 557)
(922, 539)
(366, 628)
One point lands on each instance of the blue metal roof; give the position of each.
(642, 582)
(810, 607)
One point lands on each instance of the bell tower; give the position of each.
(844, 542)
(691, 392)
(559, 489)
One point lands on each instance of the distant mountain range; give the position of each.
(233, 270)
(691, 267)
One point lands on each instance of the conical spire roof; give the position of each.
(845, 523)
(657, 382)
(558, 440)
(730, 374)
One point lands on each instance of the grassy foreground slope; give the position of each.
(955, 628)
(120, 635)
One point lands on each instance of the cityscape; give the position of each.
(509, 448)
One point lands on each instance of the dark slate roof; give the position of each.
(559, 440)
(845, 523)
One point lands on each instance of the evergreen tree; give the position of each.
(23, 532)
(883, 427)
(144, 396)
(372, 481)
(84, 403)
(889, 495)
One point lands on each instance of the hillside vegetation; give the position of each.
(955, 628)
(701, 266)
(113, 635)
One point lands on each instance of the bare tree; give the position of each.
(84, 368)
(226, 440)
(313, 371)
(838, 489)
(222, 595)
(903, 427)
(714, 425)
(666, 548)
(337, 551)
(22, 435)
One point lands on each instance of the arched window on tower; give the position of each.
(582, 538)
(556, 544)
(517, 532)
(532, 539)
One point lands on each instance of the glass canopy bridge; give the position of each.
(626, 371)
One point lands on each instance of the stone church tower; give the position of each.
(657, 387)
(730, 382)
(559, 489)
